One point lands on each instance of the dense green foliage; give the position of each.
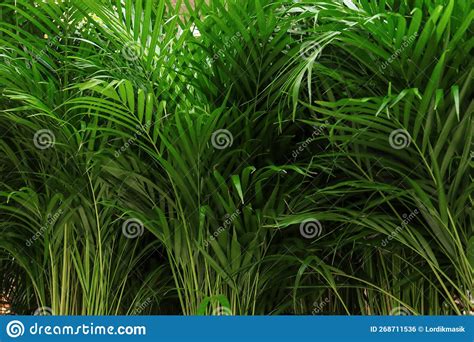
(244, 157)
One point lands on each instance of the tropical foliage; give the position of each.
(236, 157)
